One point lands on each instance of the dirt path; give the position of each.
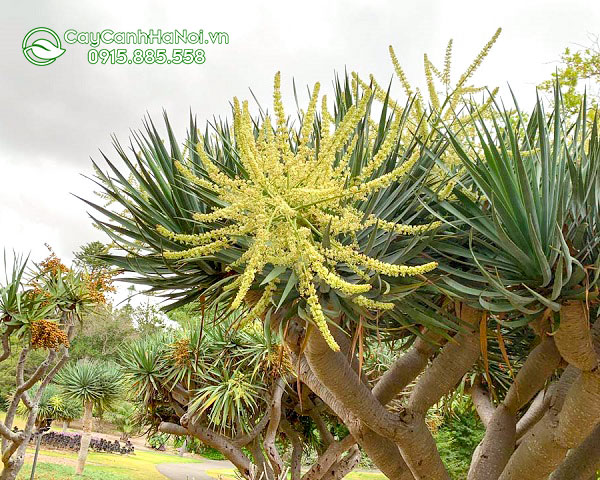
(191, 471)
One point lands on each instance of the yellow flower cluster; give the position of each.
(445, 103)
(291, 193)
(263, 302)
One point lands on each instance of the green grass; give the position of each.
(105, 466)
(139, 458)
(211, 454)
(50, 471)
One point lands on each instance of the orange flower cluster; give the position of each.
(52, 264)
(37, 291)
(180, 352)
(47, 334)
(98, 284)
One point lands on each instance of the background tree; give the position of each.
(104, 332)
(123, 416)
(39, 309)
(578, 72)
(88, 256)
(53, 407)
(148, 319)
(93, 384)
(224, 384)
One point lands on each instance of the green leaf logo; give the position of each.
(42, 46)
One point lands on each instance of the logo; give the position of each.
(41, 46)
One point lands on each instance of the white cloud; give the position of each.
(54, 118)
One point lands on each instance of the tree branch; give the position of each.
(6, 350)
(545, 447)
(245, 438)
(344, 466)
(8, 434)
(415, 441)
(296, 460)
(447, 369)
(481, 400)
(328, 458)
(324, 432)
(406, 368)
(12, 409)
(273, 426)
(383, 452)
(498, 444)
(581, 462)
(215, 440)
(535, 412)
(574, 338)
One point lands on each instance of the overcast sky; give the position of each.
(54, 118)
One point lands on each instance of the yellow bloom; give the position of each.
(287, 197)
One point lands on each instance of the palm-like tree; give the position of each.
(344, 243)
(123, 416)
(39, 307)
(526, 251)
(230, 387)
(518, 246)
(53, 406)
(93, 384)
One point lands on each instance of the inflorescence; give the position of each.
(293, 193)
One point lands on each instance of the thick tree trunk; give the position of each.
(379, 430)
(335, 373)
(448, 368)
(498, 445)
(86, 436)
(494, 452)
(65, 425)
(383, 452)
(581, 462)
(574, 338)
(545, 447)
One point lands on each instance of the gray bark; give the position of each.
(583, 461)
(86, 436)
(498, 444)
(417, 445)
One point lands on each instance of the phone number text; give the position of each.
(121, 56)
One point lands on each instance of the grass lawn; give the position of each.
(50, 471)
(103, 466)
(59, 465)
(141, 466)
